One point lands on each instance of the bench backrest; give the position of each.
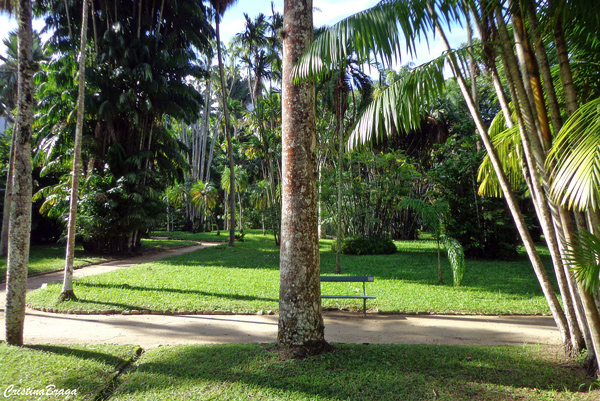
(347, 279)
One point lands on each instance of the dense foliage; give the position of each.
(140, 74)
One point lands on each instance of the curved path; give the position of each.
(340, 327)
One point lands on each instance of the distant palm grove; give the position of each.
(490, 147)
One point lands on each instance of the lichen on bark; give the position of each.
(300, 319)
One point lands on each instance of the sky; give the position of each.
(326, 12)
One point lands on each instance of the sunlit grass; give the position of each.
(245, 279)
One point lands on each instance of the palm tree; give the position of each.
(8, 101)
(220, 6)
(300, 318)
(252, 42)
(204, 197)
(66, 292)
(380, 30)
(20, 209)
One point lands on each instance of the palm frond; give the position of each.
(575, 159)
(584, 257)
(456, 256)
(507, 143)
(400, 106)
(382, 32)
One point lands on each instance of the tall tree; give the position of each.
(300, 319)
(8, 101)
(220, 6)
(20, 210)
(384, 27)
(67, 288)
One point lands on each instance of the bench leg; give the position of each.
(365, 306)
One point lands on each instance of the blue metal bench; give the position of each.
(350, 279)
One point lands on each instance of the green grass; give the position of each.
(85, 368)
(257, 372)
(354, 372)
(203, 236)
(245, 279)
(49, 258)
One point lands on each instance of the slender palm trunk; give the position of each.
(300, 319)
(590, 308)
(511, 201)
(20, 209)
(534, 118)
(229, 142)
(67, 288)
(8, 194)
(339, 118)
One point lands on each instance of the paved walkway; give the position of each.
(340, 327)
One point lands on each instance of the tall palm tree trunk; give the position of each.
(300, 319)
(67, 288)
(20, 210)
(229, 142)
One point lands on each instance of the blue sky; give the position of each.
(326, 12)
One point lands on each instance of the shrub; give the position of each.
(366, 246)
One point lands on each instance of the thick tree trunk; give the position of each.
(20, 212)
(67, 288)
(300, 319)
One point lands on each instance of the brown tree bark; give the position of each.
(20, 210)
(300, 319)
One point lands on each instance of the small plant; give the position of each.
(367, 246)
(456, 256)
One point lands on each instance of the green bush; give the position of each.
(366, 246)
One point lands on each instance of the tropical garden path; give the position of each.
(340, 327)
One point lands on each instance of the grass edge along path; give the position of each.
(245, 279)
(45, 259)
(260, 372)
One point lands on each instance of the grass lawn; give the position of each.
(257, 372)
(245, 279)
(49, 258)
(88, 369)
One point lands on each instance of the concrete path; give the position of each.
(340, 327)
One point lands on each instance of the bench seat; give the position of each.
(350, 279)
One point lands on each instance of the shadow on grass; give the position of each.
(352, 372)
(80, 353)
(237, 297)
(81, 368)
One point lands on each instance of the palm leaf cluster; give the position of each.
(138, 81)
(576, 159)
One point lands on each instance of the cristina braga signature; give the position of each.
(49, 390)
